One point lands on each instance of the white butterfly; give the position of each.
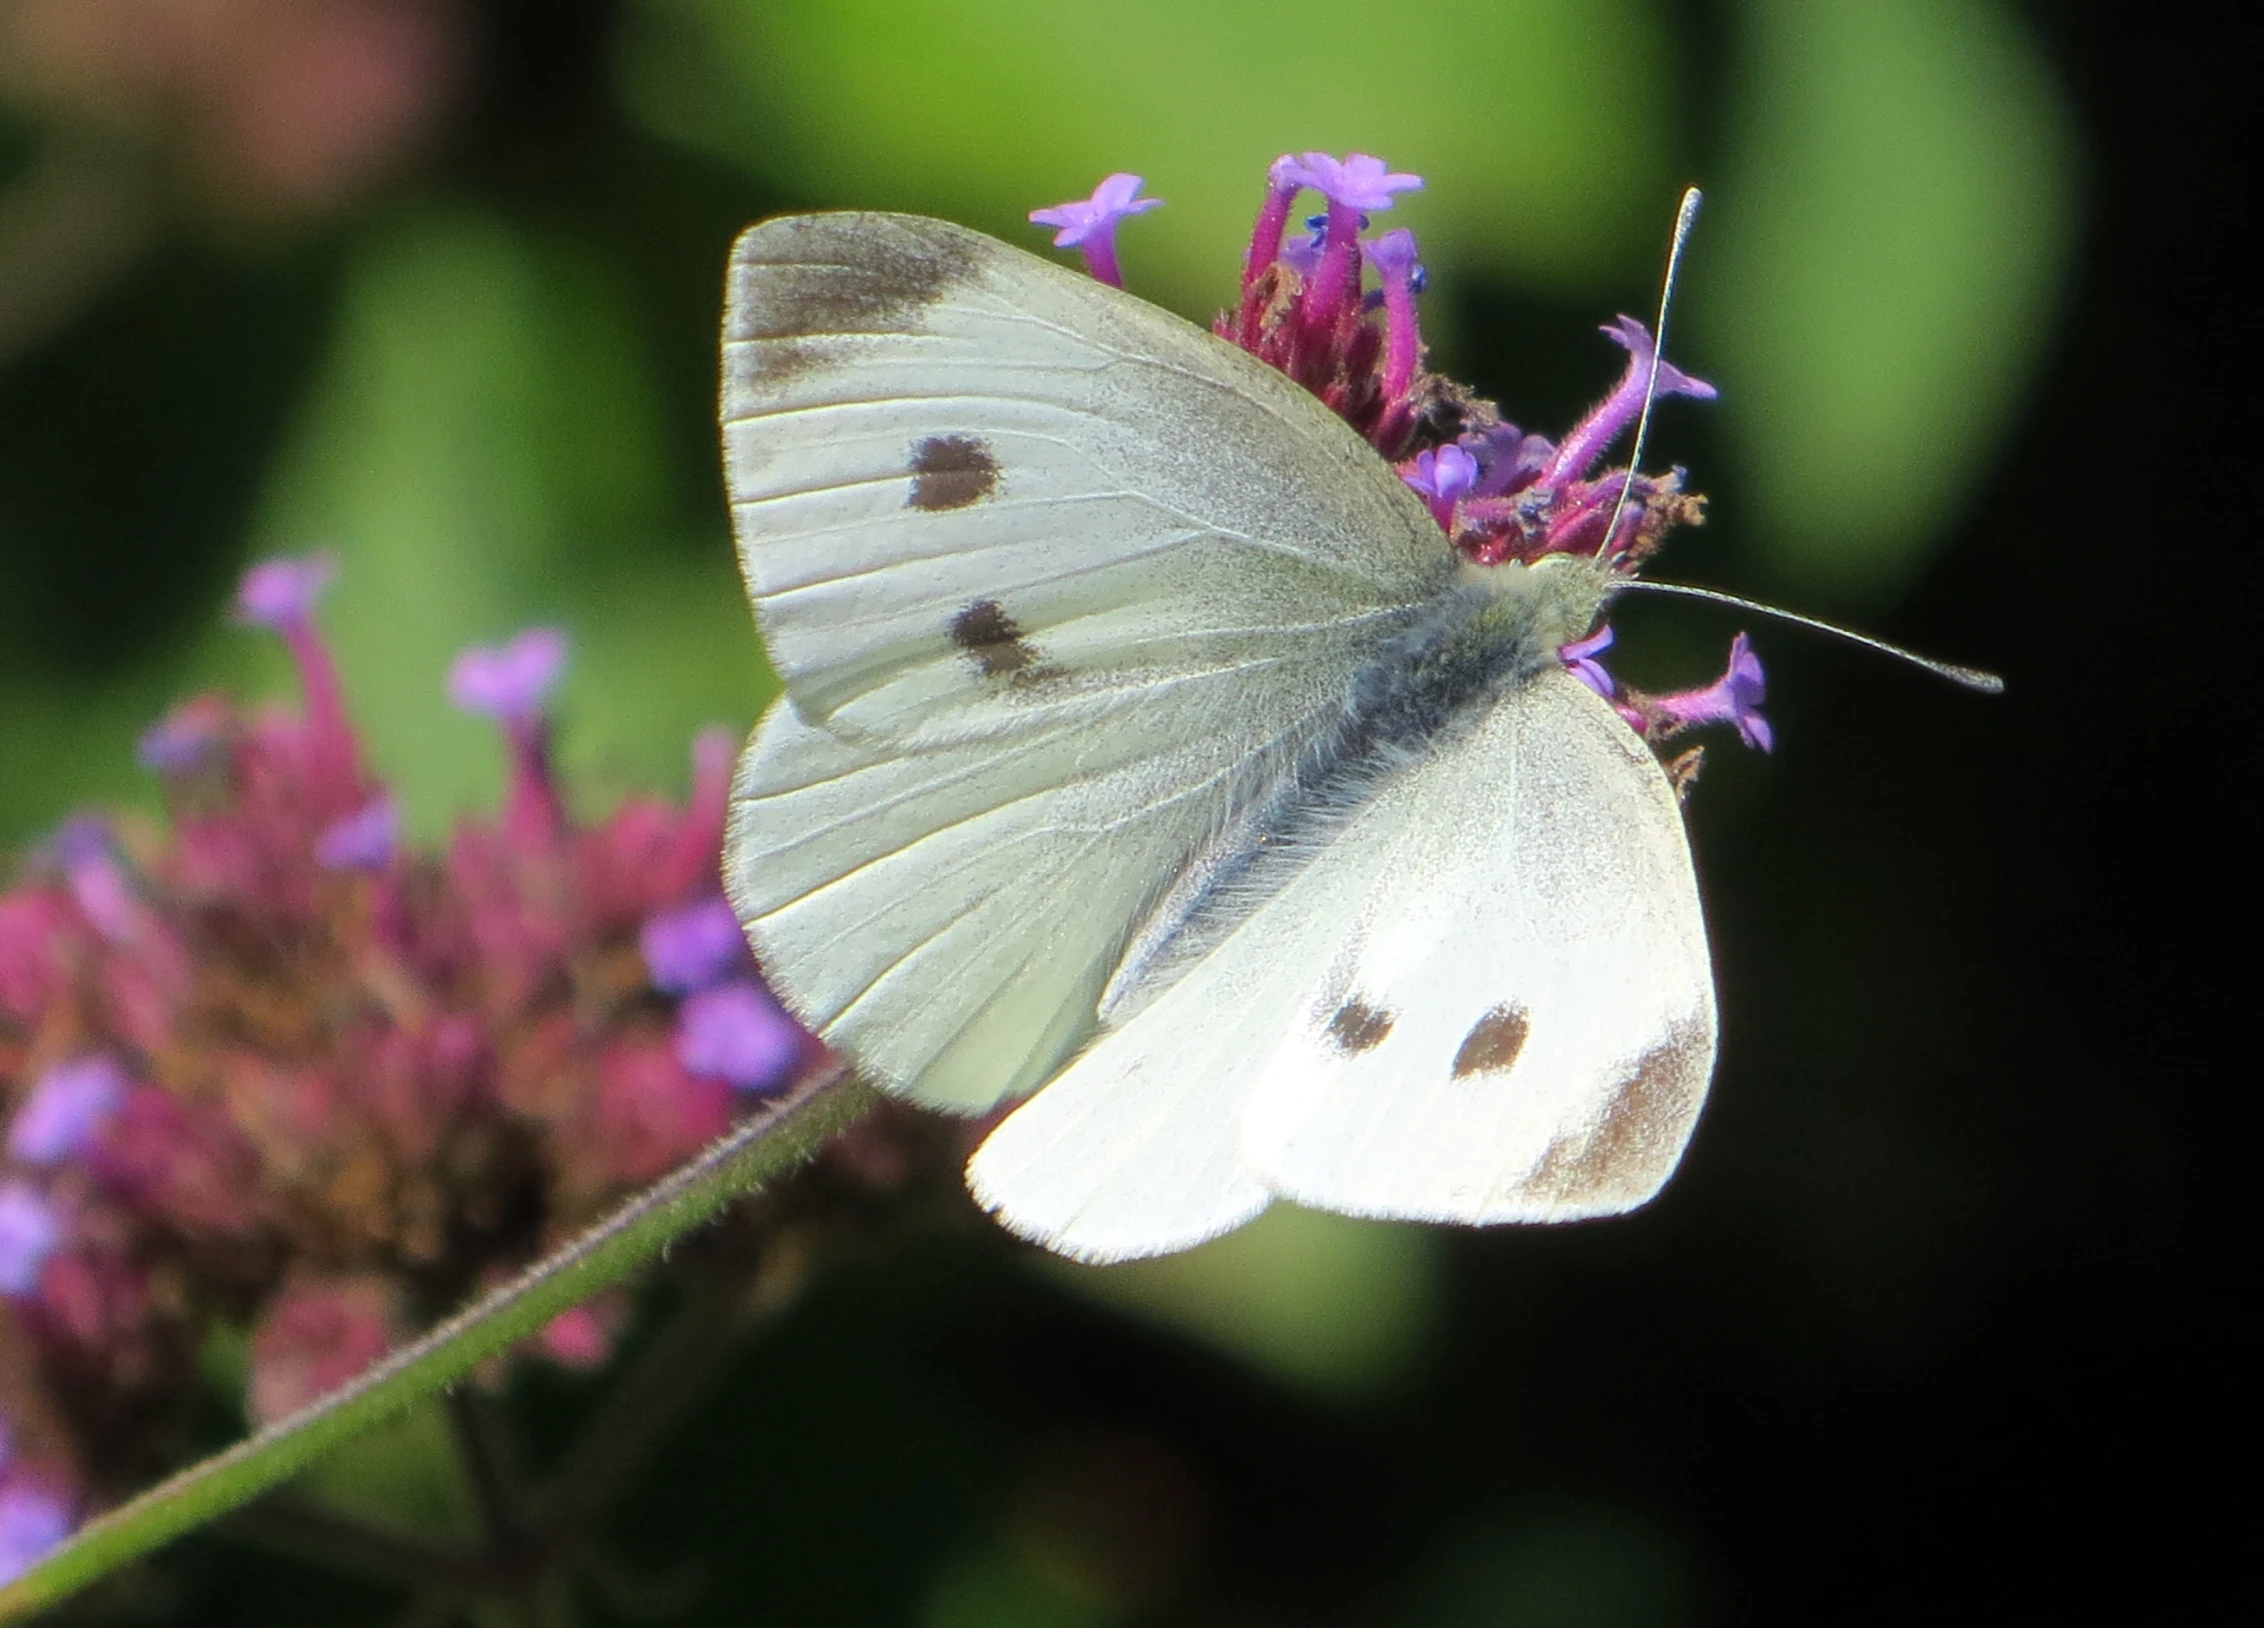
(1147, 746)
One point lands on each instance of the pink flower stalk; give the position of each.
(1733, 698)
(280, 595)
(1089, 224)
(273, 1067)
(510, 683)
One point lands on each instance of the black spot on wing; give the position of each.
(1358, 1027)
(992, 641)
(1493, 1042)
(950, 472)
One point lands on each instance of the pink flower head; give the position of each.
(363, 840)
(1733, 698)
(69, 1104)
(1357, 181)
(1579, 658)
(511, 680)
(737, 1032)
(691, 947)
(1443, 475)
(281, 593)
(1089, 224)
(29, 1232)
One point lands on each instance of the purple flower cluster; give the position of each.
(1500, 494)
(267, 1067)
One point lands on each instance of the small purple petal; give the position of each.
(511, 680)
(1302, 253)
(737, 1032)
(1089, 224)
(28, 1235)
(281, 593)
(1580, 658)
(1112, 200)
(689, 948)
(69, 1104)
(1393, 254)
(363, 840)
(1357, 181)
(33, 1520)
(185, 739)
(1734, 698)
(1444, 472)
(1632, 337)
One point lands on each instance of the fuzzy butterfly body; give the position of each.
(1149, 752)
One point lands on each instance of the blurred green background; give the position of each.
(435, 284)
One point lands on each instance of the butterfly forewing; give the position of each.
(975, 492)
(1057, 583)
(1519, 1023)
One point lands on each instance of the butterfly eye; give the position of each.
(1493, 1042)
(950, 472)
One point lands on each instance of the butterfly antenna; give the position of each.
(1971, 678)
(1685, 217)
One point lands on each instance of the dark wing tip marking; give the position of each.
(804, 284)
(1639, 1137)
(950, 472)
(992, 640)
(1493, 1042)
(1357, 1027)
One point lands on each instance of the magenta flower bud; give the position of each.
(33, 1520)
(1444, 475)
(282, 593)
(737, 1032)
(510, 680)
(689, 948)
(363, 840)
(1089, 224)
(1733, 698)
(66, 1108)
(1579, 658)
(1624, 405)
(29, 1232)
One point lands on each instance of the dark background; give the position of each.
(1936, 1323)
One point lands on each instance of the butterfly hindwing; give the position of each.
(1520, 1023)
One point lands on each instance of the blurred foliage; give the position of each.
(482, 373)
